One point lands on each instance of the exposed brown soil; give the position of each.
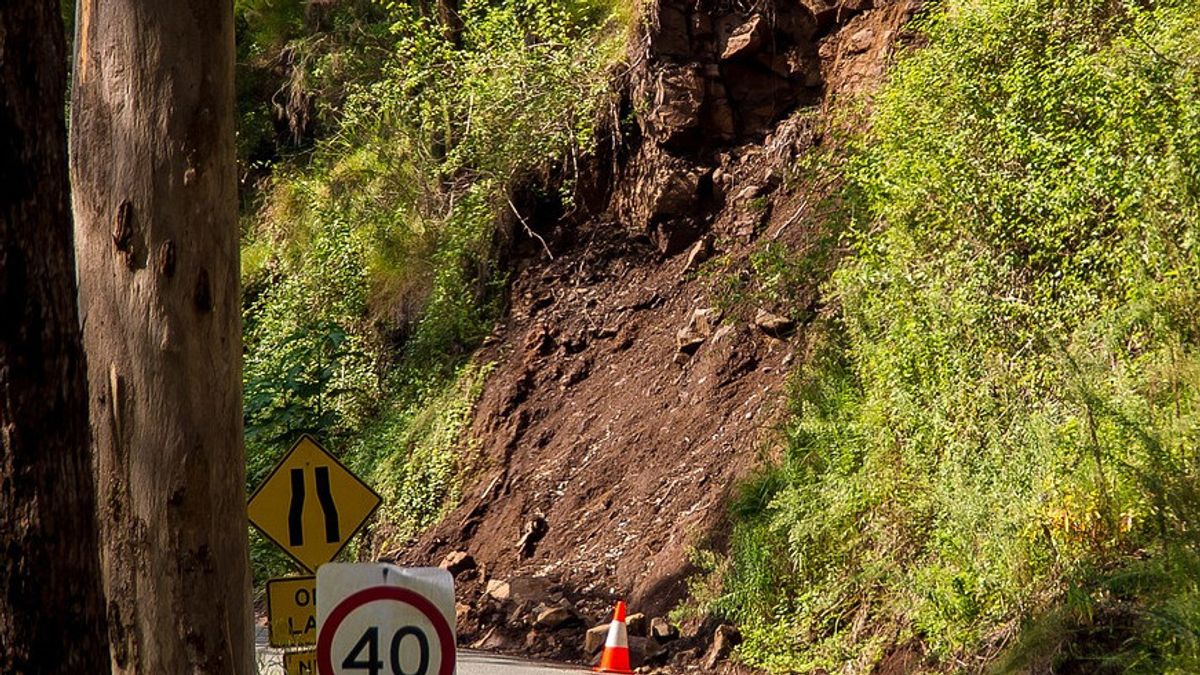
(608, 449)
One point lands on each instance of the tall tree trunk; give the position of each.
(155, 195)
(51, 607)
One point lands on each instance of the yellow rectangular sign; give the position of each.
(300, 663)
(292, 611)
(311, 505)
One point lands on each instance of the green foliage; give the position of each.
(371, 265)
(415, 453)
(999, 431)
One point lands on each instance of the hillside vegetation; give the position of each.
(993, 446)
(990, 452)
(370, 255)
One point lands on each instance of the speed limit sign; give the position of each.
(380, 619)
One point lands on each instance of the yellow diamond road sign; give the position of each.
(311, 505)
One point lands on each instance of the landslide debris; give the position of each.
(625, 404)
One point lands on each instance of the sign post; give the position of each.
(380, 619)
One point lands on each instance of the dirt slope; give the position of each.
(610, 441)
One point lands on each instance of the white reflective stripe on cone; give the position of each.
(616, 635)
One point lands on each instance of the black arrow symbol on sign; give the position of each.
(332, 534)
(296, 511)
(328, 508)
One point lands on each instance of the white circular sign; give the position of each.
(385, 630)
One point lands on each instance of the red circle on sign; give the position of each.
(374, 594)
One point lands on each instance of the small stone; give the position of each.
(662, 630)
(725, 638)
(860, 41)
(457, 562)
(500, 590)
(698, 254)
(461, 612)
(701, 325)
(491, 640)
(531, 534)
(748, 193)
(773, 324)
(521, 615)
(746, 38)
(594, 639)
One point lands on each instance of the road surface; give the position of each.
(469, 663)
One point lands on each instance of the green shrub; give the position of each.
(371, 265)
(1002, 422)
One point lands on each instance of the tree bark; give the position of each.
(155, 197)
(51, 606)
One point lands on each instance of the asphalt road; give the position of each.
(478, 663)
(469, 663)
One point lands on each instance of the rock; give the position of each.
(555, 617)
(860, 41)
(725, 638)
(748, 194)
(722, 333)
(746, 39)
(803, 66)
(635, 624)
(644, 650)
(662, 630)
(500, 590)
(676, 194)
(491, 640)
(457, 562)
(518, 589)
(531, 534)
(666, 199)
(773, 324)
(461, 612)
(701, 325)
(720, 119)
(675, 100)
(520, 615)
(594, 638)
(698, 254)
(670, 35)
(748, 223)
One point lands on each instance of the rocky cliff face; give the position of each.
(627, 399)
(709, 77)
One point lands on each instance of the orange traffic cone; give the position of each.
(616, 647)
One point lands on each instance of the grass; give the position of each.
(997, 433)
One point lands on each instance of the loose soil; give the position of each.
(604, 454)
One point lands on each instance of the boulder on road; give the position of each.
(593, 640)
